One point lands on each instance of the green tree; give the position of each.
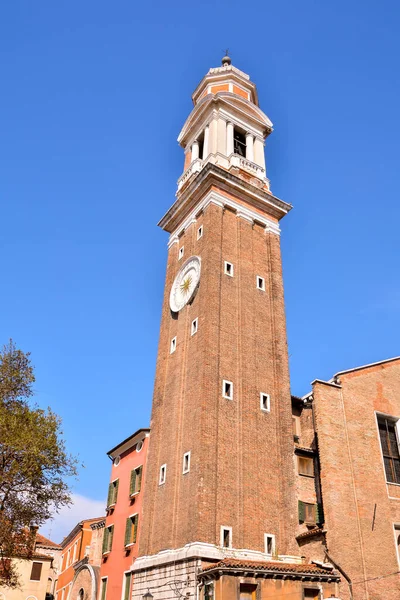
(34, 464)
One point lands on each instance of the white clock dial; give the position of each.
(185, 283)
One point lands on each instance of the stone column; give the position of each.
(250, 147)
(229, 138)
(195, 150)
(259, 157)
(205, 143)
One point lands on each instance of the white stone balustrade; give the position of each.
(194, 167)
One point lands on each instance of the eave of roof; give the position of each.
(380, 362)
(273, 567)
(43, 541)
(127, 443)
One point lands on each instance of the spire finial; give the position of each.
(226, 59)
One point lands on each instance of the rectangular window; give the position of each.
(209, 591)
(390, 448)
(226, 537)
(131, 529)
(136, 481)
(306, 466)
(248, 591)
(186, 463)
(260, 283)
(195, 325)
(181, 252)
(269, 543)
(229, 269)
(104, 588)
(127, 585)
(308, 513)
(112, 493)
(163, 474)
(108, 539)
(36, 571)
(173, 345)
(265, 402)
(311, 594)
(200, 232)
(227, 389)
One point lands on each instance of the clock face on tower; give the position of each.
(185, 283)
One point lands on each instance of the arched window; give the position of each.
(81, 594)
(2, 596)
(31, 598)
(49, 585)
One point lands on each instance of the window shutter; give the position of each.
(319, 514)
(127, 586)
(135, 524)
(139, 476)
(302, 512)
(105, 540)
(110, 494)
(104, 589)
(133, 482)
(128, 531)
(36, 571)
(116, 490)
(110, 538)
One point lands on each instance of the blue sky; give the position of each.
(93, 97)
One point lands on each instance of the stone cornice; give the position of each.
(195, 191)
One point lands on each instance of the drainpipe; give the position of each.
(341, 571)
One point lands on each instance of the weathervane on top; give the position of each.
(226, 61)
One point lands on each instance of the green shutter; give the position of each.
(128, 531)
(133, 482)
(135, 524)
(110, 538)
(116, 484)
(319, 514)
(105, 540)
(302, 514)
(103, 589)
(139, 476)
(127, 586)
(110, 494)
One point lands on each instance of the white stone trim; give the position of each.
(220, 200)
(204, 551)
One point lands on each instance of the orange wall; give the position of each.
(83, 538)
(120, 559)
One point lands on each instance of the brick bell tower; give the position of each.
(220, 477)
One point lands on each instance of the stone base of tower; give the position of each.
(202, 571)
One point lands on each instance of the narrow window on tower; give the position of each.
(163, 474)
(186, 463)
(229, 269)
(227, 389)
(181, 252)
(226, 536)
(265, 402)
(195, 325)
(239, 142)
(200, 232)
(269, 543)
(173, 345)
(260, 283)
